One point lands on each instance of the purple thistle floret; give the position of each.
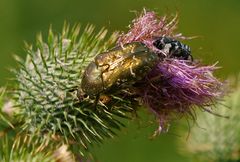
(148, 26)
(174, 87)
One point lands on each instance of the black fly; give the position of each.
(173, 48)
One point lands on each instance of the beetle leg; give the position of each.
(96, 101)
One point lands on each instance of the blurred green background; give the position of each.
(217, 22)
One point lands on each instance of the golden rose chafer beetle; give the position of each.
(121, 66)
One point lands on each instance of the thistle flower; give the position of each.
(174, 87)
(51, 111)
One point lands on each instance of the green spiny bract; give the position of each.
(47, 90)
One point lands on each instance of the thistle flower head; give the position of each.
(174, 87)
